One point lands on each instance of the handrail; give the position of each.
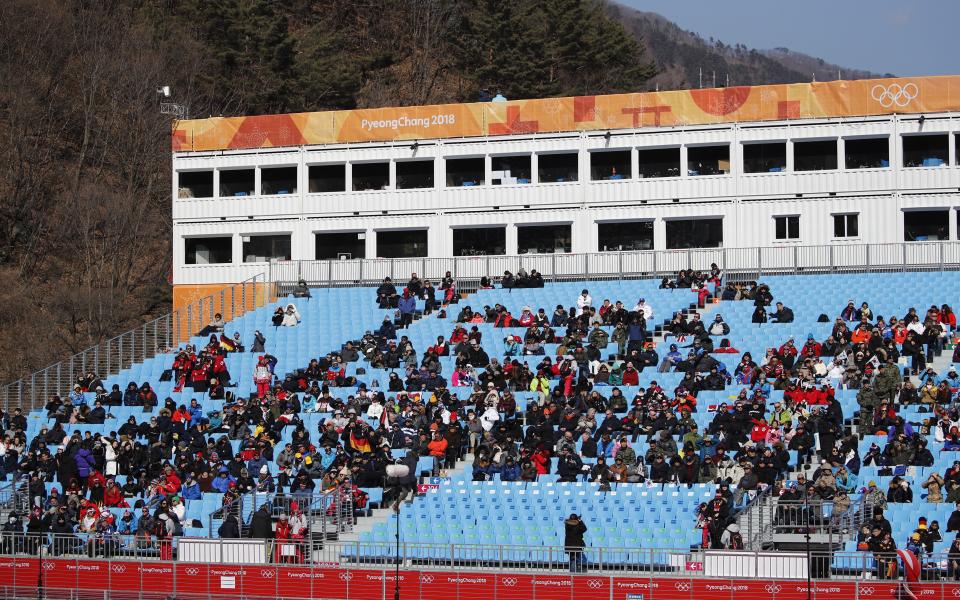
(739, 264)
(158, 336)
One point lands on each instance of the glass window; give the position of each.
(208, 250)
(787, 227)
(464, 172)
(867, 153)
(371, 176)
(508, 170)
(195, 184)
(815, 155)
(926, 150)
(659, 162)
(708, 160)
(402, 244)
(278, 180)
(846, 226)
(625, 235)
(766, 157)
(479, 241)
(237, 182)
(694, 233)
(336, 245)
(557, 168)
(610, 165)
(414, 174)
(325, 179)
(264, 248)
(543, 239)
(926, 225)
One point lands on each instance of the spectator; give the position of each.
(573, 543)
(782, 314)
(291, 317)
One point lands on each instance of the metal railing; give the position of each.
(737, 264)
(127, 349)
(328, 515)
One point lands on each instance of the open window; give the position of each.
(708, 160)
(340, 245)
(867, 153)
(411, 243)
(930, 150)
(278, 181)
(815, 155)
(926, 225)
(479, 241)
(465, 172)
(208, 250)
(507, 170)
(414, 174)
(325, 179)
(765, 157)
(557, 168)
(659, 162)
(544, 239)
(237, 182)
(264, 248)
(610, 165)
(625, 235)
(371, 176)
(195, 184)
(702, 232)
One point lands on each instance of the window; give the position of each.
(264, 248)
(708, 160)
(464, 172)
(659, 162)
(867, 153)
(815, 155)
(557, 168)
(926, 150)
(325, 179)
(402, 244)
(277, 181)
(208, 250)
(510, 170)
(337, 245)
(926, 225)
(625, 235)
(610, 165)
(695, 233)
(479, 241)
(846, 226)
(195, 184)
(414, 174)
(787, 227)
(237, 182)
(766, 157)
(371, 176)
(543, 239)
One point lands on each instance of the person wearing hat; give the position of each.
(573, 542)
(719, 327)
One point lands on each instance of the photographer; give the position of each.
(573, 543)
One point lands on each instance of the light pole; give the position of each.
(806, 512)
(396, 473)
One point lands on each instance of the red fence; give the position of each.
(60, 578)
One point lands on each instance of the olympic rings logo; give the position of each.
(894, 94)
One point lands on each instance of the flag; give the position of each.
(875, 362)
(911, 565)
(227, 344)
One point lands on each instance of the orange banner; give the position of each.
(581, 113)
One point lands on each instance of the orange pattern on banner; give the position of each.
(584, 113)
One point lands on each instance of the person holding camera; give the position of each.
(573, 544)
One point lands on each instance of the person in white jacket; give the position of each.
(645, 308)
(489, 418)
(291, 317)
(584, 300)
(110, 458)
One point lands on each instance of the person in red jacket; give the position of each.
(811, 349)
(630, 375)
(438, 450)
(170, 484)
(541, 461)
(113, 497)
(286, 550)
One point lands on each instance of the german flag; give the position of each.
(227, 344)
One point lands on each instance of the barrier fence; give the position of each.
(32, 577)
(137, 345)
(737, 264)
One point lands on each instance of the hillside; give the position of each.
(681, 54)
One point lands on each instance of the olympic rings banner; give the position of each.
(62, 578)
(581, 113)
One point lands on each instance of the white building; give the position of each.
(829, 180)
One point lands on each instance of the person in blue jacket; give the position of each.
(407, 306)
